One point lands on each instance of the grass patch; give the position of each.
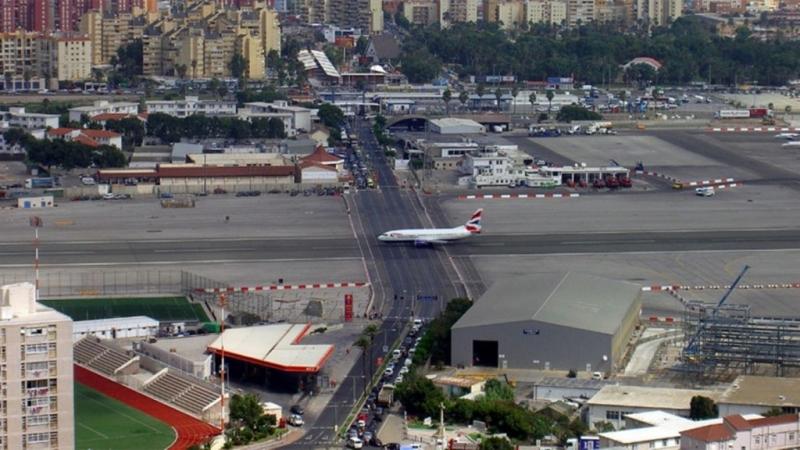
(104, 423)
(159, 308)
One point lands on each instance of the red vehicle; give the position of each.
(570, 183)
(625, 182)
(582, 183)
(612, 182)
(599, 183)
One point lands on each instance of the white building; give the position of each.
(115, 328)
(316, 173)
(18, 117)
(757, 395)
(454, 125)
(37, 386)
(45, 201)
(192, 105)
(613, 403)
(737, 432)
(87, 136)
(295, 118)
(103, 107)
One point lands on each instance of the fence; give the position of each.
(54, 284)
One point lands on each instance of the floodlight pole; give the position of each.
(222, 361)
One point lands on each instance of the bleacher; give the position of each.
(94, 354)
(181, 392)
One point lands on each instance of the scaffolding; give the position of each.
(728, 339)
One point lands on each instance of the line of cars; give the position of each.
(363, 432)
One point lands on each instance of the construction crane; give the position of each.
(691, 348)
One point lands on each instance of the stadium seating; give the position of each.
(181, 392)
(94, 354)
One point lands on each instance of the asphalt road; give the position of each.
(404, 269)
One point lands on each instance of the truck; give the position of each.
(386, 395)
(42, 182)
(758, 113)
(732, 114)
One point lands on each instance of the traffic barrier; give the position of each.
(516, 196)
(752, 129)
(658, 175)
(713, 287)
(282, 287)
(709, 182)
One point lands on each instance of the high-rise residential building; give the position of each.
(658, 12)
(510, 13)
(553, 12)
(269, 30)
(36, 381)
(421, 12)
(454, 11)
(580, 12)
(91, 25)
(490, 10)
(253, 53)
(72, 57)
(21, 52)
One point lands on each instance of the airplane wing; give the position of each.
(426, 241)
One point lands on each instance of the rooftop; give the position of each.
(320, 155)
(669, 429)
(763, 391)
(274, 346)
(568, 299)
(648, 397)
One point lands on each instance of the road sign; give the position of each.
(385, 348)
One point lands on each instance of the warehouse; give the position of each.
(557, 321)
(454, 125)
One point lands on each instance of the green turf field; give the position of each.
(104, 423)
(159, 308)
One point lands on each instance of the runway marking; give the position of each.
(166, 263)
(631, 241)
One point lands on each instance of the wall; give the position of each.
(563, 348)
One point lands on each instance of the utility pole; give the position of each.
(36, 222)
(222, 360)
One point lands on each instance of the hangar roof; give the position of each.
(570, 299)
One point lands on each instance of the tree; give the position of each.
(701, 408)
(435, 343)
(497, 390)
(495, 443)
(463, 97)
(576, 112)
(107, 156)
(498, 95)
(604, 427)
(330, 115)
(419, 396)
(237, 66)
(420, 66)
(549, 94)
(532, 99)
(362, 44)
(641, 74)
(514, 93)
(213, 85)
(248, 422)
(131, 129)
(180, 70)
(446, 97)
(97, 75)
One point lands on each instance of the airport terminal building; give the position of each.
(550, 321)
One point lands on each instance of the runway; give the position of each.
(216, 250)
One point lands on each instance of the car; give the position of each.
(88, 181)
(166, 195)
(408, 362)
(108, 196)
(297, 409)
(396, 353)
(354, 442)
(296, 420)
(404, 370)
(399, 379)
(706, 191)
(388, 372)
(361, 424)
(367, 436)
(375, 442)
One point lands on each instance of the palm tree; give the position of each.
(550, 94)
(463, 97)
(446, 97)
(532, 99)
(498, 94)
(514, 93)
(180, 69)
(480, 90)
(27, 74)
(194, 68)
(97, 75)
(8, 78)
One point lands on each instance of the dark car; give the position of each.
(297, 409)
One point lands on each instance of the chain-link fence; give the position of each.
(55, 284)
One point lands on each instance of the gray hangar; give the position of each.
(557, 321)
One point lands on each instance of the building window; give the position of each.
(612, 415)
(758, 440)
(791, 436)
(35, 438)
(773, 439)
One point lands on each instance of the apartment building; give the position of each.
(455, 11)
(36, 382)
(72, 57)
(658, 12)
(18, 117)
(737, 432)
(191, 105)
(581, 12)
(421, 12)
(103, 107)
(551, 11)
(21, 53)
(510, 14)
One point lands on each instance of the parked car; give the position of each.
(355, 442)
(297, 409)
(296, 420)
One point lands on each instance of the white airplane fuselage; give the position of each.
(426, 235)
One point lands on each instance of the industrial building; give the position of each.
(614, 403)
(549, 321)
(454, 125)
(758, 395)
(116, 328)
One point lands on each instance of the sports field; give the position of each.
(159, 308)
(104, 423)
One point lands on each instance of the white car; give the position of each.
(403, 370)
(88, 181)
(354, 442)
(706, 191)
(296, 420)
(108, 196)
(388, 372)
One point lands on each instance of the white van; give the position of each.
(354, 442)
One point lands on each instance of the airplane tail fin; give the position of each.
(473, 225)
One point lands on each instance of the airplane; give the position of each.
(430, 236)
(789, 136)
(791, 144)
